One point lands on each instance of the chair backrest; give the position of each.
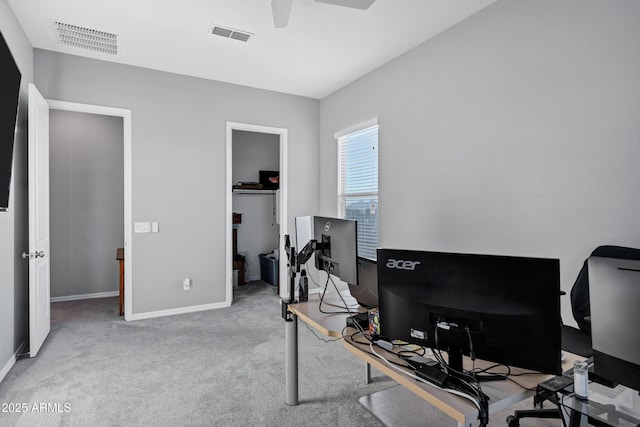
(580, 289)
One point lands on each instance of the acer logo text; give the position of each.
(401, 264)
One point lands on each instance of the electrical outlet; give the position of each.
(186, 284)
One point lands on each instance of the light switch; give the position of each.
(142, 227)
(154, 227)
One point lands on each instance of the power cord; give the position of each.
(409, 374)
(319, 337)
(482, 407)
(460, 376)
(346, 306)
(317, 285)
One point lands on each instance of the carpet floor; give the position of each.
(215, 368)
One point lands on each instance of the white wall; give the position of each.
(178, 165)
(14, 291)
(258, 233)
(515, 132)
(87, 202)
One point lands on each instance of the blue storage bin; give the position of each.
(269, 269)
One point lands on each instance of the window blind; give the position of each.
(358, 185)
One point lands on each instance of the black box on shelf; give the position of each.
(270, 180)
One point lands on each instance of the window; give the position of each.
(358, 184)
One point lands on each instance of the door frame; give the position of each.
(283, 134)
(125, 114)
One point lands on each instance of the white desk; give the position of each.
(503, 394)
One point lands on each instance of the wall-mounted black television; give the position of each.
(9, 94)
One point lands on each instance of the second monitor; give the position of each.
(337, 247)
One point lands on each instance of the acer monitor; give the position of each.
(9, 94)
(502, 309)
(614, 294)
(337, 247)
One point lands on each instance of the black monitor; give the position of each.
(366, 291)
(337, 247)
(614, 295)
(506, 308)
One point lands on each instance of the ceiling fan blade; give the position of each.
(281, 11)
(355, 4)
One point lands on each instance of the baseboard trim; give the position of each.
(183, 310)
(86, 296)
(21, 350)
(7, 367)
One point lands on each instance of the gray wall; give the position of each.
(87, 202)
(178, 163)
(259, 232)
(14, 291)
(514, 132)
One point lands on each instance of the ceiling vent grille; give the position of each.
(86, 38)
(230, 33)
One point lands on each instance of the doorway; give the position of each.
(256, 163)
(98, 194)
(247, 135)
(87, 204)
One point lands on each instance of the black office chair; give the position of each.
(577, 340)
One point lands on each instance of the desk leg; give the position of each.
(291, 365)
(577, 417)
(367, 373)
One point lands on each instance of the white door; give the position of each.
(39, 266)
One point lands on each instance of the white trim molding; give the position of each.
(283, 205)
(356, 128)
(12, 360)
(174, 311)
(7, 367)
(128, 199)
(86, 296)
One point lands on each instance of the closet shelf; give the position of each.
(249, 191)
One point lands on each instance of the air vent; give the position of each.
(86, 38)
(230, 33)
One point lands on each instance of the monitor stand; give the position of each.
(593, 376)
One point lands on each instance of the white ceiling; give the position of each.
(324, 47)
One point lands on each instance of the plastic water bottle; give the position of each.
(581, 379)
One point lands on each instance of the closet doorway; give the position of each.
(256, 205)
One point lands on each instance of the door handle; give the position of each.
(32, 255)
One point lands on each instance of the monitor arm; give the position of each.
(306, 253)
(295, 260)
